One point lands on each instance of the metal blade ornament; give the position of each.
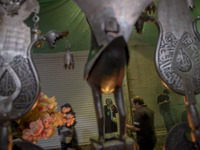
(51, 37)
(68, 58)
(178, 57)
(11, 6)
(111, 23)
(144, 17)
(99, 12)
(19, 83)
(35, 31)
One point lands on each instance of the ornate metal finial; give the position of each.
(68, 58)
(35, 31)
(19, 82)
(12, 6)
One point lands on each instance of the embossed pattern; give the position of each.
(177, 58)
(165, 58)
(7, 86)
(29, 87)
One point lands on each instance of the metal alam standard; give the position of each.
(19, 82)
(111, 22)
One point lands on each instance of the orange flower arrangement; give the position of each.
(69, 119)
(43, 119)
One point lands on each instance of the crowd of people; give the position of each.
(143, 122)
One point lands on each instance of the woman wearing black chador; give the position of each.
(110, 116)
(67, 132)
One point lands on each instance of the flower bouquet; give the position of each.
(42, 120)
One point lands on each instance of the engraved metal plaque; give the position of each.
(178, 61)
(19, 83)
(177, 55)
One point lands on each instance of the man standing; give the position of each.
(165, 109)
(143, 124)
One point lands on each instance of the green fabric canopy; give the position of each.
(62, 15)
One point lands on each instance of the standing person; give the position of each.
(67, 132)
(110, 111)
(143, 124)
(165, 109)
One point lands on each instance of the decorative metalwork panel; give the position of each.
(176, 57)
(29, 85)
(178, 62)
(19, 83)
(165, 56)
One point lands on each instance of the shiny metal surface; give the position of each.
(178, 58)
(12, 6)
(111, 23)
(5, 138)
(178, 138)
(19, 83)
(177, 54)
(99, 12)
(105, 76)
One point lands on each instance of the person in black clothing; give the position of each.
(143, 124)
(165, 109)
(68, 135)
(110, 111)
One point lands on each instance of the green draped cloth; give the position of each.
(62, 15)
